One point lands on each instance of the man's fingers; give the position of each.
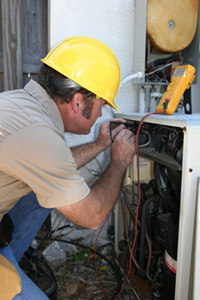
(118, 120)
(124, 133)
(116, 130)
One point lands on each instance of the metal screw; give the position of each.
(171, 24)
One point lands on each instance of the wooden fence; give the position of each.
(23, 40)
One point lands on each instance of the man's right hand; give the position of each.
(123, 148)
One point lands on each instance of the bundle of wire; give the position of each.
(136, 218)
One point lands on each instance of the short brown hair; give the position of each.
(64, 94)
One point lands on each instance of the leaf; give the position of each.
(71, 288)
(103, 268)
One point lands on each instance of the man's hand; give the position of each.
(86, 152)
(123, 147)
(104, 140)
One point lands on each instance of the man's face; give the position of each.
(90, 112)
(79, 116)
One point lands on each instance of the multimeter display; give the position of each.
(179, 72)
(182, 80)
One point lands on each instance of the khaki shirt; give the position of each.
(33, 152)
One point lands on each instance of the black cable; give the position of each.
(157, 176)
(161, 177)
(30, 257)
(163, 61)
(60, 228)
(113, 266)
(54, 295)
(49, 234)
(126, 253)
(124, 258)
(171, 190)
(152, 198)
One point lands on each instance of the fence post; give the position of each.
(12, 44)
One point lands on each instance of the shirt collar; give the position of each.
(38, 92)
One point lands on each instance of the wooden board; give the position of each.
(25, 32)
(171, 24)
(34, 34)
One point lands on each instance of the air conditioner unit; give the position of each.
(170, 162)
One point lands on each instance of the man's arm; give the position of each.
(93, 209)
(84, 153)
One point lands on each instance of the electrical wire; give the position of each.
(114, 268)
(146, 235)
(136, 217)
(134, 291)
(28, 263)
(152, 198)
(158, 69)
(138, 175)
(126, 231)
(148, 142)
(160, 180)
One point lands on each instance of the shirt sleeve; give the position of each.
(39, 156)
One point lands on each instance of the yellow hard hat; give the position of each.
(90, 63)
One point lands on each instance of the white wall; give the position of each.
(111, 21)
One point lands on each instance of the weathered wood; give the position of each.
(0, 29)
(38, 24)
(1, 82)
(25, 26)
(26, 77)
(11, 41)
(34, 14)
(1, 51)
(24, 32)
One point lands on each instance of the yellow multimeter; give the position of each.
(181, 80)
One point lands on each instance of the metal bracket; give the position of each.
(187, 101)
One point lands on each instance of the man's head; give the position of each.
(87, 63)
(63, 89)
(79, 108)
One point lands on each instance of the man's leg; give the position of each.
(27, 216)
(29, 290)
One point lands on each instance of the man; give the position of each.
(38, 171)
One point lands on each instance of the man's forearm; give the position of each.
(106, 191)
(84, 153)
(93, 209)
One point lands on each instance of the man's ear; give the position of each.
(77, 102)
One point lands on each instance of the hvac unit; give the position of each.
(167, 245)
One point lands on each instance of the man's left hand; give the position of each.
(104, 140)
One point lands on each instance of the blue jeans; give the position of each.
(27, 216)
